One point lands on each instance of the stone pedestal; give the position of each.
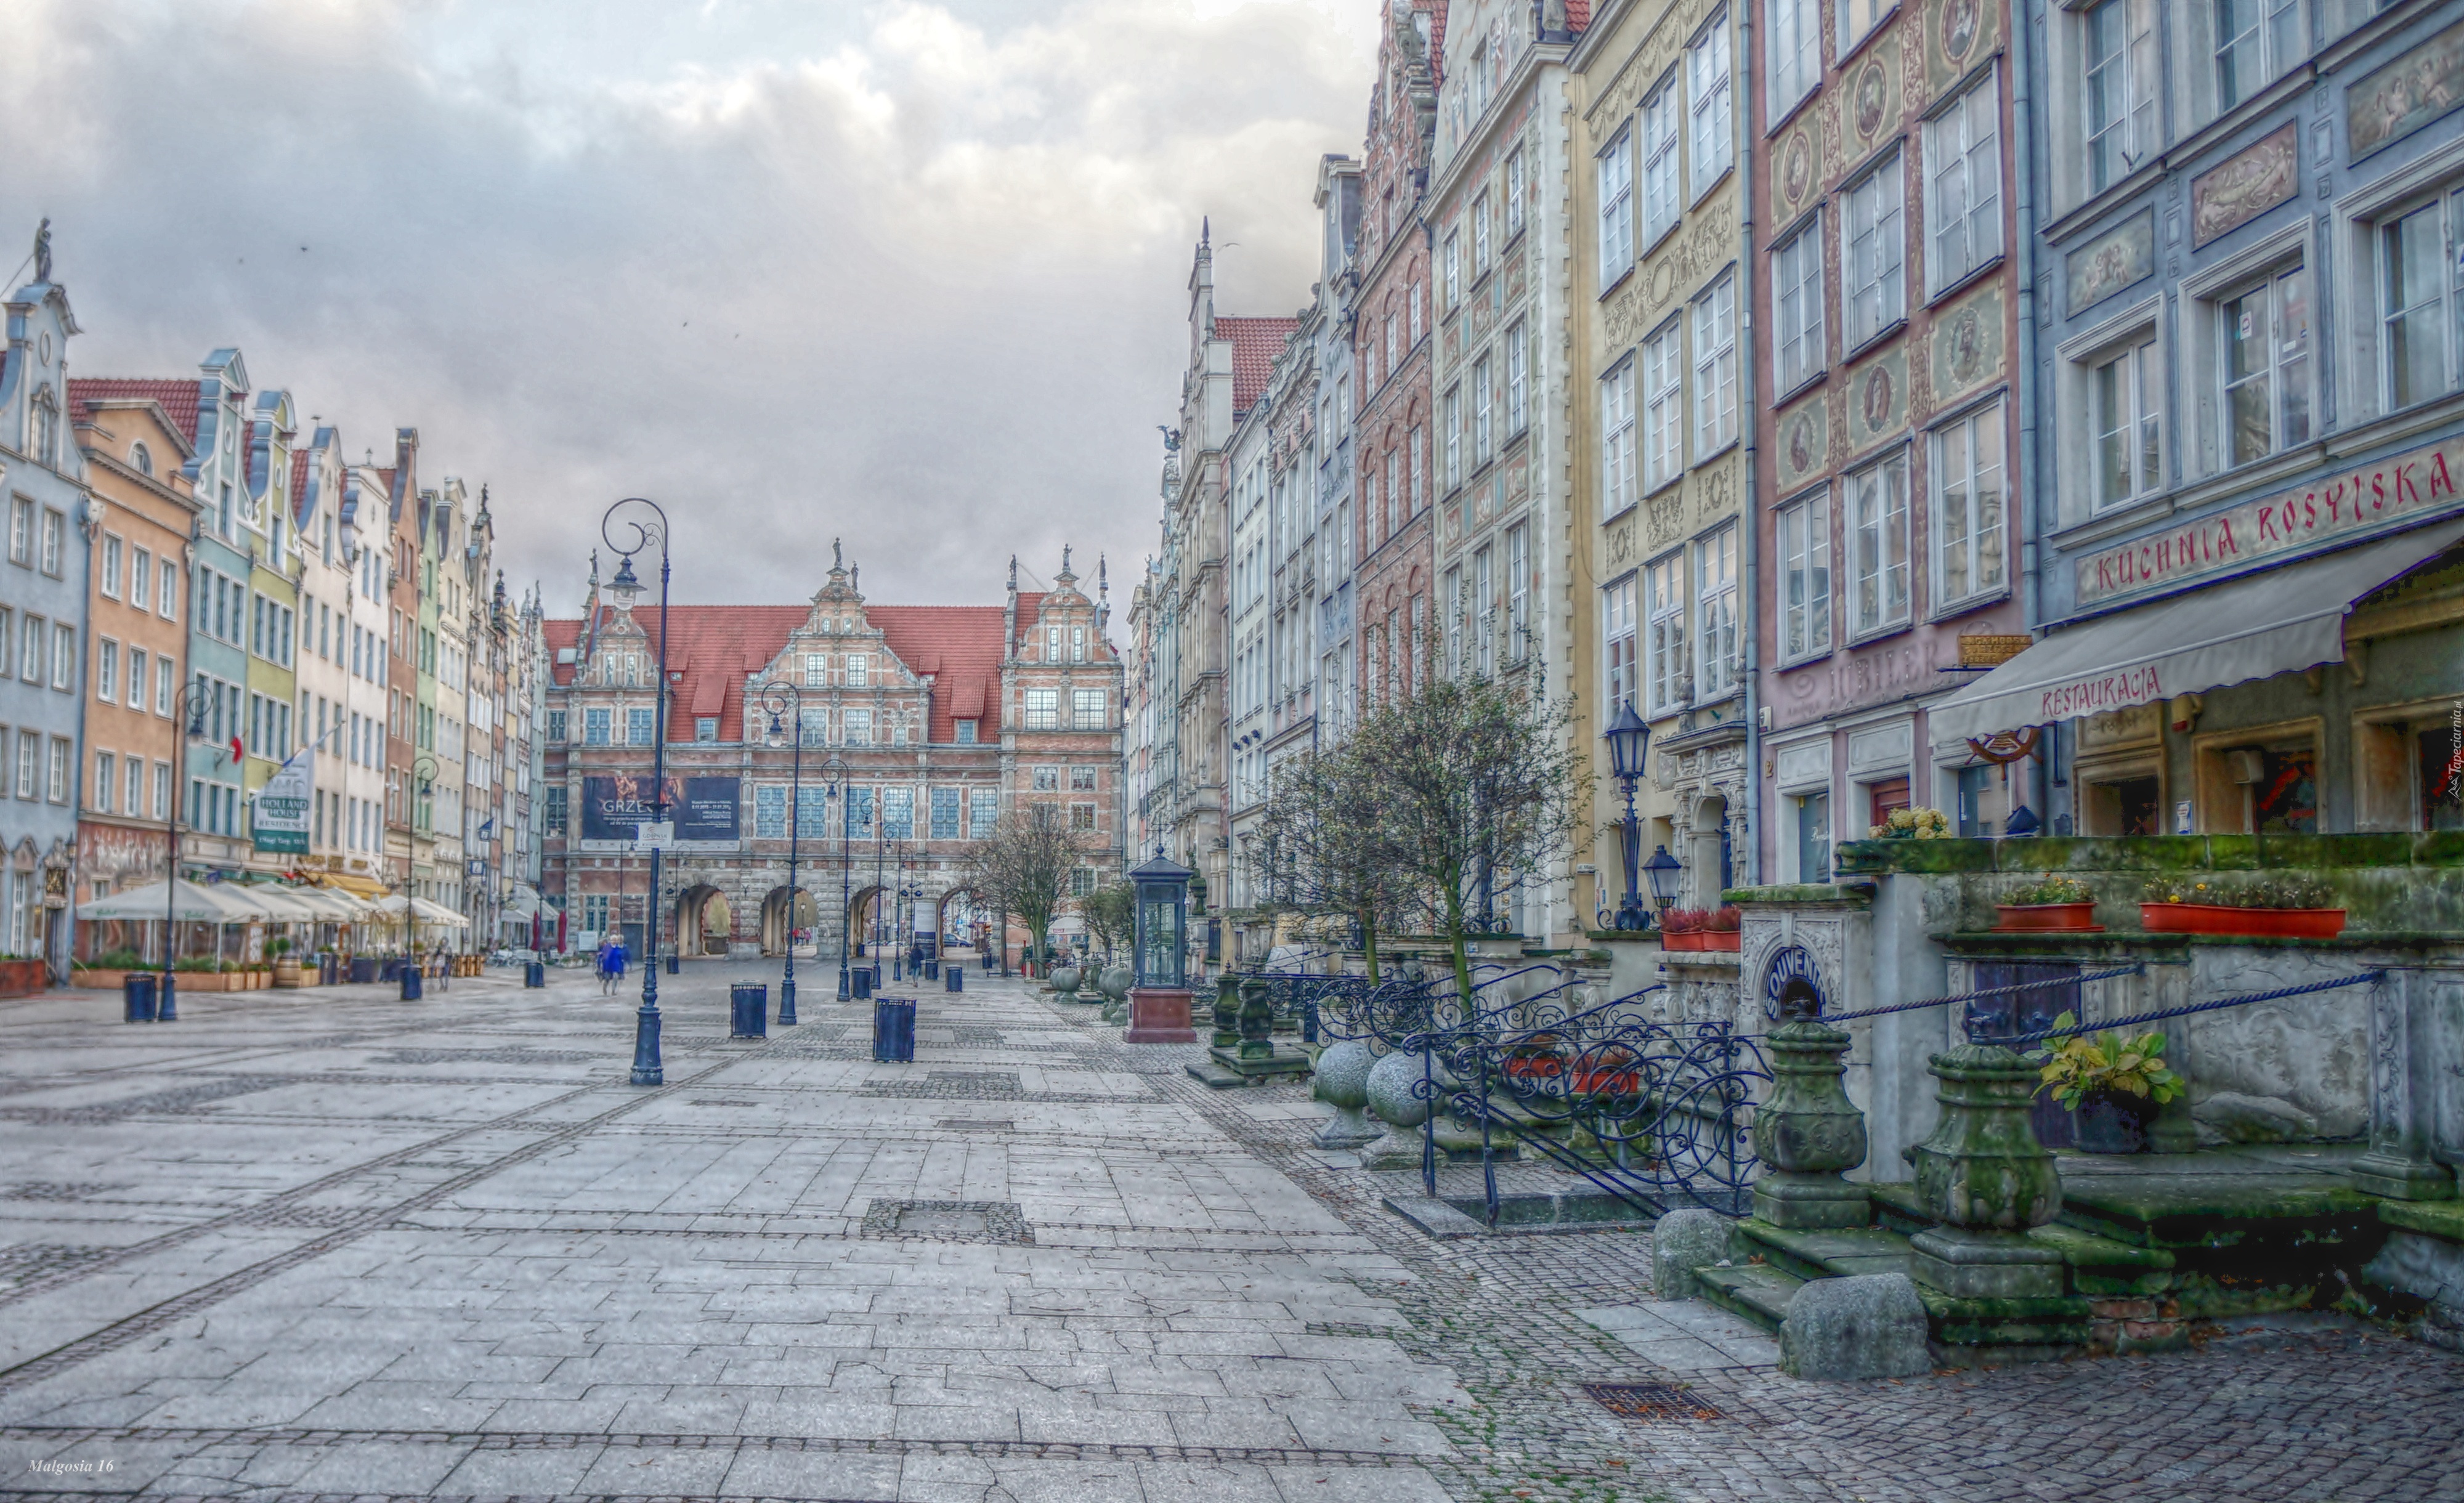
(1343, 1083)
(2407, 1080)
(1983, 1177)
(1808, 1133)
(1252, 1057)
(1160, 1015)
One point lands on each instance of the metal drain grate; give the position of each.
(1650, 1401)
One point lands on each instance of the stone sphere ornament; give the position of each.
(1343, 1083)
(1392, 1082)
(1064, 981)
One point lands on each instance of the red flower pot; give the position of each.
(1733, 941)
(2046, 918)
(2257, 923)
(1673, 940)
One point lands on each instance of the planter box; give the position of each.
(2046, 918)
(203, 981)
(2254, 923)
(92, 979)
(1731, 941)
(22, 978)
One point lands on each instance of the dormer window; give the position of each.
(140, 459)
(967, 734)
(859, 669)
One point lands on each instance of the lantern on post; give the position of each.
(1629, 741)
(1663, 871)
(1160, 995)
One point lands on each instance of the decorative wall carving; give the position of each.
(2407, 94)
(1804, 441)
(1967, 345)
(1878, 399)
(2246, 184)
(2115, 260)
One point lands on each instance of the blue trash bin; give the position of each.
(534, 974)
(748, 1011)
(932, 970)
(675, 963)
(893, 1030)
(954, 978)
(412, 990)
(860, 983)
(136, 995)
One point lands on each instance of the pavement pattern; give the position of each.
(327, 1244)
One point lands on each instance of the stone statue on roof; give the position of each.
(43, 251)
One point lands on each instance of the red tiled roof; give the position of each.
(719, 645)
(178, 398)
(1579, 15)
(1438, 41)
(298, 485)
(1256, 343)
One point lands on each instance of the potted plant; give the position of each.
(107, 970)
(2259, 907)
(1680, 929)
(2113, 1081)
(1723, 929)
(1911, 823)
(2050, 905)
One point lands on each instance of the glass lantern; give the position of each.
(1161, 941)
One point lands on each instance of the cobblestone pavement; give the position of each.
(329, 1244)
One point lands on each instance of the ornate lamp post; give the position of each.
(835, 771)
(188, 712)
(780, 699)
(1629, 743)
(423, 787)
(648, 1070)
(1663, 871)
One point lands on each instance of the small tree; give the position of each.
(1023, 866)
(1316, 849)
(1475, 784)
(1111, 914)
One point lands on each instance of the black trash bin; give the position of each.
(988, 963)
(748, 1011)
(675, 963)
(534, 974)
(954, 978)
(411, 988)
(137, 994)
(932, 970)
(860, 983)
(893, 1030)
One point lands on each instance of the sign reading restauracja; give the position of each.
(2355, 503)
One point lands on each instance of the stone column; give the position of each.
(1983, 1177)
(2405, 1079)
(1808, 1133)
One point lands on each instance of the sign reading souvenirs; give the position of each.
(1792, 984)
(2354, 503)
(703, 811)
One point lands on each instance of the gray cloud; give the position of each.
(886, 273)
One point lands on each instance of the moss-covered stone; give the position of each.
(1800, 893)
(2441, 1219)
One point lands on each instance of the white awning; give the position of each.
(197, 902)
(2277, 621)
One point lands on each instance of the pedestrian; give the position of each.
(617, 958)
(607, 966)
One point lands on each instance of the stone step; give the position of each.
(1756, 1291)
(1828, 1253)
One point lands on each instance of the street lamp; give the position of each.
(626, 589)
(1629, 744)
(835, 771)
(423, 816)
(1663, 871)
(780, 699)
(188, 712)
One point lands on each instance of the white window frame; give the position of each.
(1796, 296)
(1715, 614)
(1858, 19)
(1618, 641)
(1710, 99)
(1714, 317)
(1664, 404)
(1873, 256)
(2289, 375)
(1518, 407)
(2118, 89)
(1803, 531)
(2443, 307)
(1615, 170)
(1512, 194)
(1453, 416)
(1668, 677)
(1616, 439)
(2125, 406)
(1518, 592)
(1975, 544)
(1792, 47)
(1660, 160)
(2276, 37)
(1963, 200)
(1484, 432)
(1880, 550)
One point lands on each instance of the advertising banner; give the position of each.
(704, 810)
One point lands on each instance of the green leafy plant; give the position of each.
(1912, 824)
(2093, 1064)
(2250, 892)
(277, 946)
(196, 962)
(2050, 889)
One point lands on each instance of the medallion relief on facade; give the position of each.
(1664, 518)
(1804, 441)
(1878, 399)
(1959, 34)
(2120, 257)
(1967, 344)
(1716, 490)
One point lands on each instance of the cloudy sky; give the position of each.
(908, 273)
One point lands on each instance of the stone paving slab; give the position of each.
(350, 1247)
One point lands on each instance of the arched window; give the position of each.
(45, 421)
(140, 459)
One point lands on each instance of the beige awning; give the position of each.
(2277, 621)
(197, 902)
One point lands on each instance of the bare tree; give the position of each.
(1023, 866)
(1316, 847)
(1111, 914)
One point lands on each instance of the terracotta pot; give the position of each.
(2257, 923)
(1691, 940)
(2047, 919)
(1731, 940)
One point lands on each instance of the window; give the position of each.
(1877, 292)
(858, 726)
(1664, 606)
(817, 671)
(945, 813)
(1964, 211)
(1715, 619)
(638, 728)
(106, 670)
(1706, 81)
(898, 813)
(1617, 617)
(29, 761)
(1082, 817)
(552, 808)
(983, 811)
(813, 727)
(1617, 210)
(966, 733)
(859, 669)
(1454, 440)
(1796, 278)
(1453, 289)
(133, 801)
(168, 604)
(1658, 163)
(161, 791)
(1814, 837)
(21, 531)
(1482, 430)
(110, 571)
(2421, 282)
(106, 777)
(1045, 780)
(1416, 450)
(704, 727)
(1664, 445)
(1968, 505)
(1858, 18)
(1484, 607)
(1480, 251)
(556, 723)
(1044, 709)
(1878, 545)
(2126, 397)
(1617, 440)
(64, 656)
(1517, 356)
(140, 578)
(56, 771)
(163, 676)
(56, 528)
(1518, 591)
(2264, 335)
(594, 913)
(1793, 46)
(2118, 40)
(1086, 709)
(595, 726)
(1458, 605)
(1715, 368)
(2256, 41)
(137, 679)
(859, 815)
(1805, 577)
(769, 812)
